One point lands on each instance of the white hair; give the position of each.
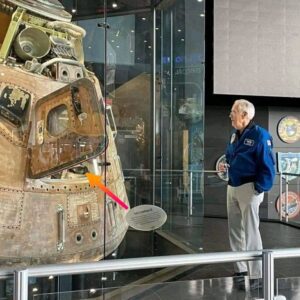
(245, 106)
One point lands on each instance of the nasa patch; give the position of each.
(248, 142)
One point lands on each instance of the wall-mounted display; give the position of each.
(293, 205)
(288, 163)
(288, 129)
(222, 175)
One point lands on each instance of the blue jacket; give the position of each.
(251, 159)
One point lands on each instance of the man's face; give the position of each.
(237, 118)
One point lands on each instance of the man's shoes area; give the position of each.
(239, 281)
(239, 274)
(239, 277)
(255, 284)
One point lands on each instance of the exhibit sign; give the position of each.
(293, 205)
(146, 217)
(288, 163)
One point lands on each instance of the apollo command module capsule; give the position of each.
(53, 129)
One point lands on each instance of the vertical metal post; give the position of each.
(280, 198)
(171, 89)
(61, 227)
(286, 199)
(154, 108)
(134, 180)
(268, 275)
(172, 109)
(191, 194)
(21, 285)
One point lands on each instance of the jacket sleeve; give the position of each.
(265, 172)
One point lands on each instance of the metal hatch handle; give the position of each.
(61, 227)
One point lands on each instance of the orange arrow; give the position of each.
(96, 181)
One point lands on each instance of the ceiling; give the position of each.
(85, 8)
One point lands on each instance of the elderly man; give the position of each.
(251, 172)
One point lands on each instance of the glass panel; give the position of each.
(288, 288)
(128, 81)
(123, 65)
(160, 144)
(179, 118)
(217, 288)
(6, 287)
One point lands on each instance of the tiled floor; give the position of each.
(274, 235)
(195, 285)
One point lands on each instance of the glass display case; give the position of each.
(117, 93)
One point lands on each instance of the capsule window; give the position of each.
(58, 120)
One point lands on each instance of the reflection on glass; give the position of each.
(215, 288)
(57, 120)
(158, 106)
(180, 122)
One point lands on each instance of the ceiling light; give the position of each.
(131, 51)
(51, 277)
(114, 5)
(199, 0)
(144, 19)
(145, 41)
(149, 47)
(182, 40)
(202, 15)
(132, 31)
(156, 28)
(179, 30)
(73, 10)
(118, 46)
(34, 290)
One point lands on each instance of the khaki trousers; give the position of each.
(243, 225)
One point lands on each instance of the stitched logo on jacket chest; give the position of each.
(248, 142)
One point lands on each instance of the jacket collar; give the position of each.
(249, 126)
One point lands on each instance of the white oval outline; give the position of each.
(162, 219)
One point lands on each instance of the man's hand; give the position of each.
(223, 167)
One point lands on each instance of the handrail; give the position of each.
(267, 256)
(127, 264)
(197, 171)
